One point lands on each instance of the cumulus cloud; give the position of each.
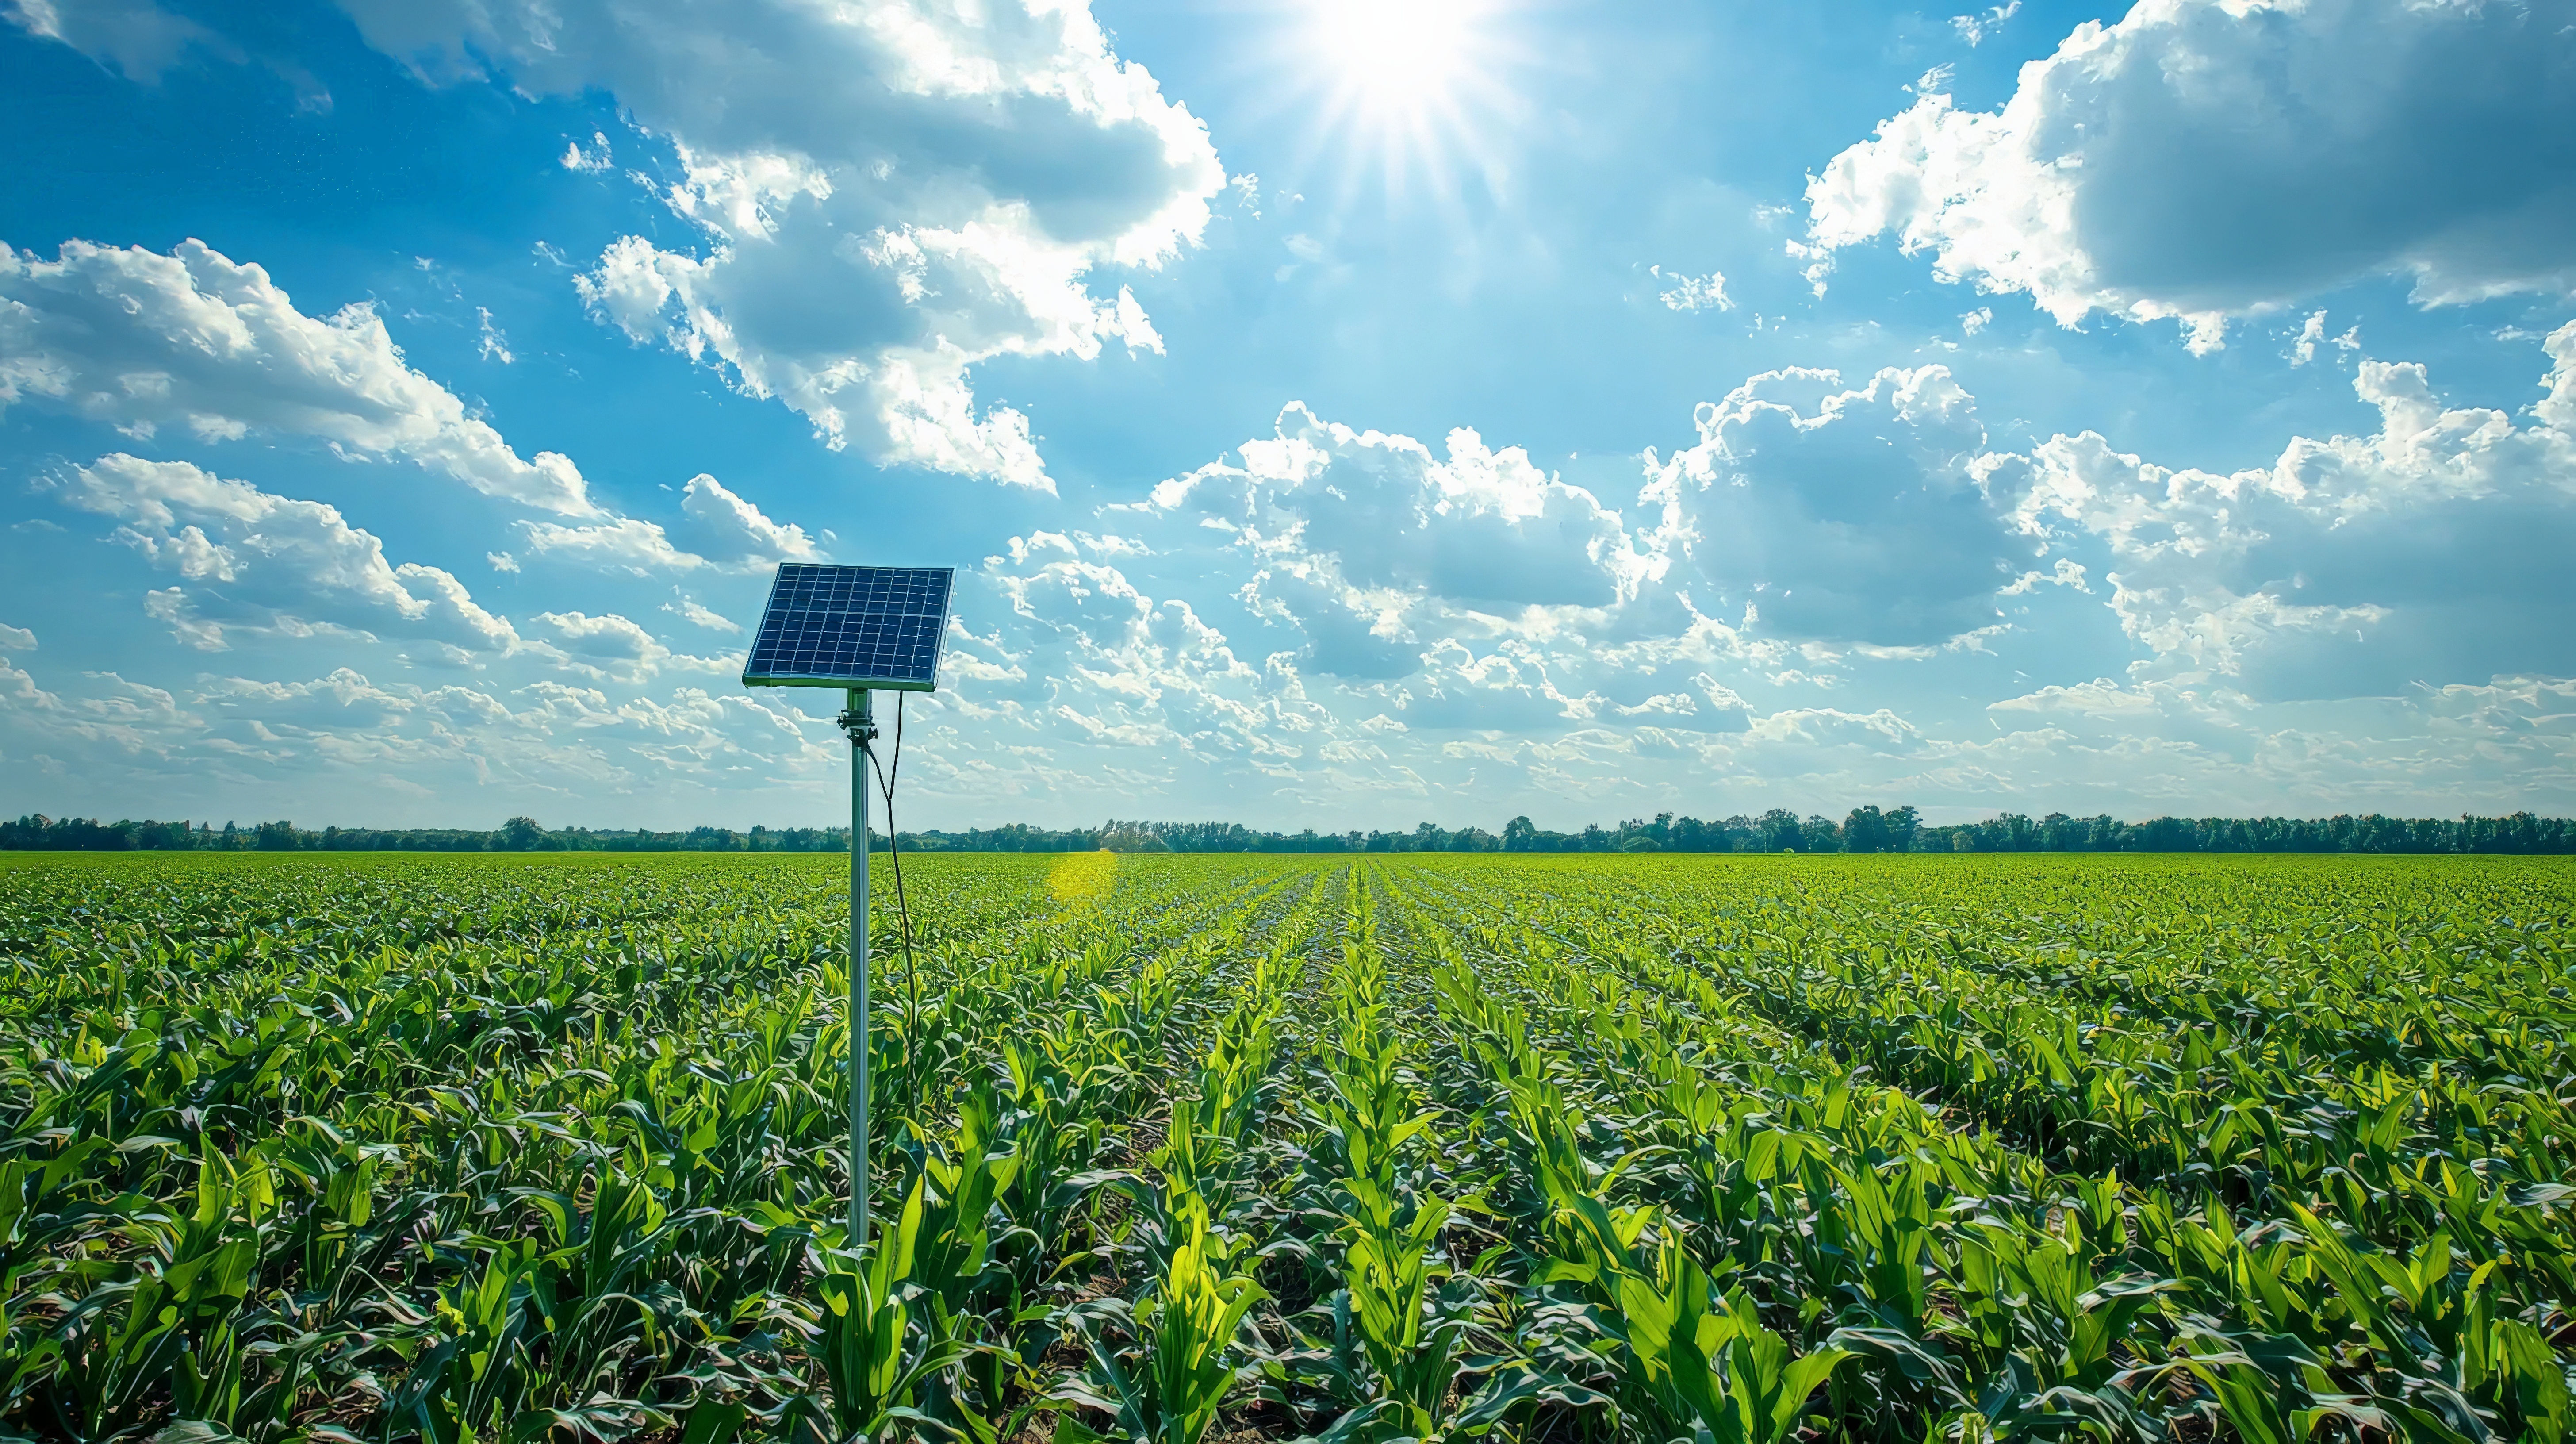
(1826, 514)
(1464, 592)
(590, 161)
(614, 647)
(731, 532)
(1361, 537)
(625, 543)
(2205, 159)
(1358, 622)
(2430, 551)
(2169, 745)
(884, 194)
(194, 341)
(16, 639)
(1817, 535)
(347, 747)
(253, 560)
(1083, 657)
(117, 722)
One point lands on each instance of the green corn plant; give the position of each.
(2514, 1368)
(469, 1386)
(953, 1265)
(2115, 1071)
(1391, 1234)
(953, 1255)
(1170, 1390)
(874, 1359)
(1734, 1380)
(2272, 1390)
(175, 1324)
(1390, 1268)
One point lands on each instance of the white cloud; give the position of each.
(2205, 159)
(2068, 572)
(1834, 515)
(1975, 28)
(733, 533)
(736, 532)
(119, 722)
(689, 609)
(494, 345)
(353, 749)
(269, 563)
(137, 38)
(16, 639)
(1360, 537)
(624, 544)
(2429, 551)
(2152, 746)
(1879, 731)
(1693, 293)
(885, 194)
(191, 340)
(1857, 529)
(170, 607)
(2313, 332)
(593, 160)
(614, 647)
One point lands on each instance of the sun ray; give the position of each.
(1414, 95)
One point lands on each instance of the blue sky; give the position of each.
(1341, 414)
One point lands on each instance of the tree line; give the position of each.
(1863, 829)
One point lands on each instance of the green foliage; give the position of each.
(1643, 1148)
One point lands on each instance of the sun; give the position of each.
(1416, 93)
(1397, 54)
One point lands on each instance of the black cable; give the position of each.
(894, 850)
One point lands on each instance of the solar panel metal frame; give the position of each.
(799, 667)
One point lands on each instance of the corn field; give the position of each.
(495, 1150)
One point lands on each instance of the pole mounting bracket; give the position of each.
(857, 722)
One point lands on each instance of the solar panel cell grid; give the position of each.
(852, 626)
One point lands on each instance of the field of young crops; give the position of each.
(502, 1149)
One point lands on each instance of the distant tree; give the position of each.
(1778, 831)
(1865, 830)
(1902, 825)
(520, 834)
(1520, 834)
(1820, 835)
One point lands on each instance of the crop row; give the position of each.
(1421, 1148)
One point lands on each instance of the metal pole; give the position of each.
(861, 728)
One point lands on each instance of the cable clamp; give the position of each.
(861, 727)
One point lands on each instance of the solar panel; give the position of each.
(875, 628)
